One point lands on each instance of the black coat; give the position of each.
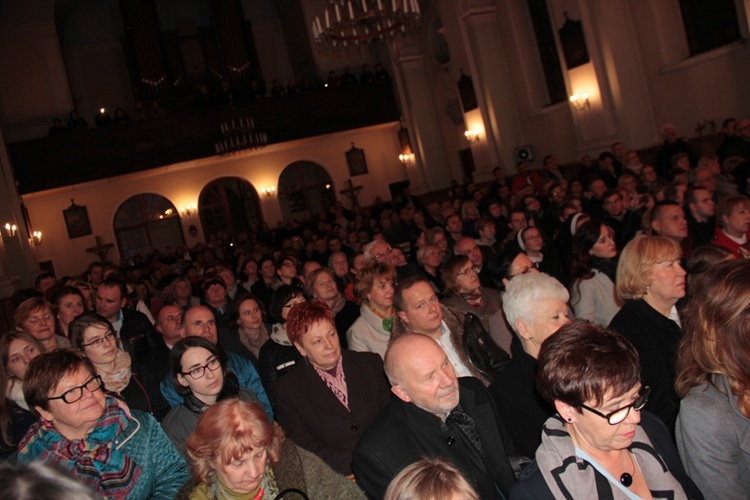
(315, 419)
(137, 334)
(519, 405)
(142, 393)
(403, 433)
(655, 337)
(532, 485)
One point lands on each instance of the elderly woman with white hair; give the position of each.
(536, 306)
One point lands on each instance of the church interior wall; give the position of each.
(181, 184)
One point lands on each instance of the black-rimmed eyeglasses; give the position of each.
(621, 414)
(97, 343)
(76, 393)
(197, 372)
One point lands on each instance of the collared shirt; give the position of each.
(117, 324)
(445, 342)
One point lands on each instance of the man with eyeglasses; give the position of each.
(381, 251)
(199, 321)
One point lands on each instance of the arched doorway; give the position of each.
(305, 190)
(229, 204)
(147, 222)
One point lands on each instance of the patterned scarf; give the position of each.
(119, 378)
(338, 305)
(336, 383)
(94, 459)
(387, 320)
(474, 299)
(254, 340)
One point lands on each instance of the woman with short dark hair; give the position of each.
(87, 433)
(600, 444)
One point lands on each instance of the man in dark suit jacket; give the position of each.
(134, 331)
(437, 415)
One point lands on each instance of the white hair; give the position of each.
(523, 293)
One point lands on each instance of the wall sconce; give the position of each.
(405, 158)
(10, 231)
(580, 102)
(472, 136)
(36, 238)
(188, 211)
(268, 192)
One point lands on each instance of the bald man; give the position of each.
(434, 414)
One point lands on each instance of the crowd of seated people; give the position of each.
(520, 331)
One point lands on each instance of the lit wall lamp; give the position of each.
(405, 158)
(10, 231)
(36, 238)
(187, 211)
(580, 102)
(472, 136)
(268, 192)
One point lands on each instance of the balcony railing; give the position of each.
(67, 159)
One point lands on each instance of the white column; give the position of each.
(498, 106)
(429, 171)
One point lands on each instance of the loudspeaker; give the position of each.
(523, 153)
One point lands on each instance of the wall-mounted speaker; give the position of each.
(523, 153)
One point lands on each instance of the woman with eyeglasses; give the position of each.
(511, 262)
(200, 374)
(594, 265)
(81, 430)
(464, 292)
(93, 335)
(278, 356)
(599, 444)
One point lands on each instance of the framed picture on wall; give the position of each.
(355, 160)
(466, 92)
(573, 43)
(77, 220)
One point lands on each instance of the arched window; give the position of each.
(305, 190)
(229, 205)
(147, 222)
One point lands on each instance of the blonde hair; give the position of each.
(228, 430)
(430, 479)
(634, 270)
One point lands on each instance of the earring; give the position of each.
(648, 288)
(570, 419)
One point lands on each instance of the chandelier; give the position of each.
(239, 134)
(347, 24)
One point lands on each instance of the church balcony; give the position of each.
(77, 157)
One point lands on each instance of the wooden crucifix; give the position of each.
(101, 249)
(352, 192)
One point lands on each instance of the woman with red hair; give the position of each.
(328, 402)
(238, 453)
